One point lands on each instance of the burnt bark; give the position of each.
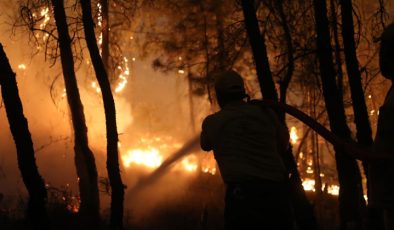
(303, 210)
(117, 187)
(351, 202)
(84, 158)
(36, 211)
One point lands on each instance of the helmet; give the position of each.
(230, 83)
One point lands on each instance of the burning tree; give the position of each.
(40, 24)
(209, 36)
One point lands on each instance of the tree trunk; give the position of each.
(259, 50)
(351, 201)
(105, 33)
(364, 131)
(117, 187)
(36, 210)
(84, 158)
(337, 50)
(303, 211)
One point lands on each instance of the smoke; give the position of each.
(153, 105)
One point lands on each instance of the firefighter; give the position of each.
(381, 172)
(247, 141)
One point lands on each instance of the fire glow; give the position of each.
(149, 157)
(309, 185)
(151, 153)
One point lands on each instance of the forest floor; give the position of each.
(199, 208)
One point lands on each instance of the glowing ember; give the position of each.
(45, 13)
(189, 163)
(309, 185)
(208, 164)
(333, 190)
(209, 170)
(96, 87)
(22, 66)
(293, 135)
(309, 170)
(64, 93)
(123, 76)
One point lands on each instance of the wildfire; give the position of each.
(125, 72)
(45, 13)
(152, 152)
(123, 67)
(100, 24)
(189, 164)
(149, 157)
(309, 185)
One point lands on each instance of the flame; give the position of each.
(151, 152)
(189, 164)
(309, 185)
(293, 135)
(149, 157)
(45, 13)
(123, 76)
(333, 190)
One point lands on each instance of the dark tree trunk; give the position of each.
(105, 33)
(259, 50)
(338, 59)
(84, 158)
(304, 213)
(36, 210)
(364, 132)
(351, 201)
(117, 187)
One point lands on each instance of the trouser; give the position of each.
(262, 205)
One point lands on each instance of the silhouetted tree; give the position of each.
(117, 187)
(84, 158)
(304, 212)
(36, 210)
(351, 201)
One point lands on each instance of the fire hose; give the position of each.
(350, 148)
